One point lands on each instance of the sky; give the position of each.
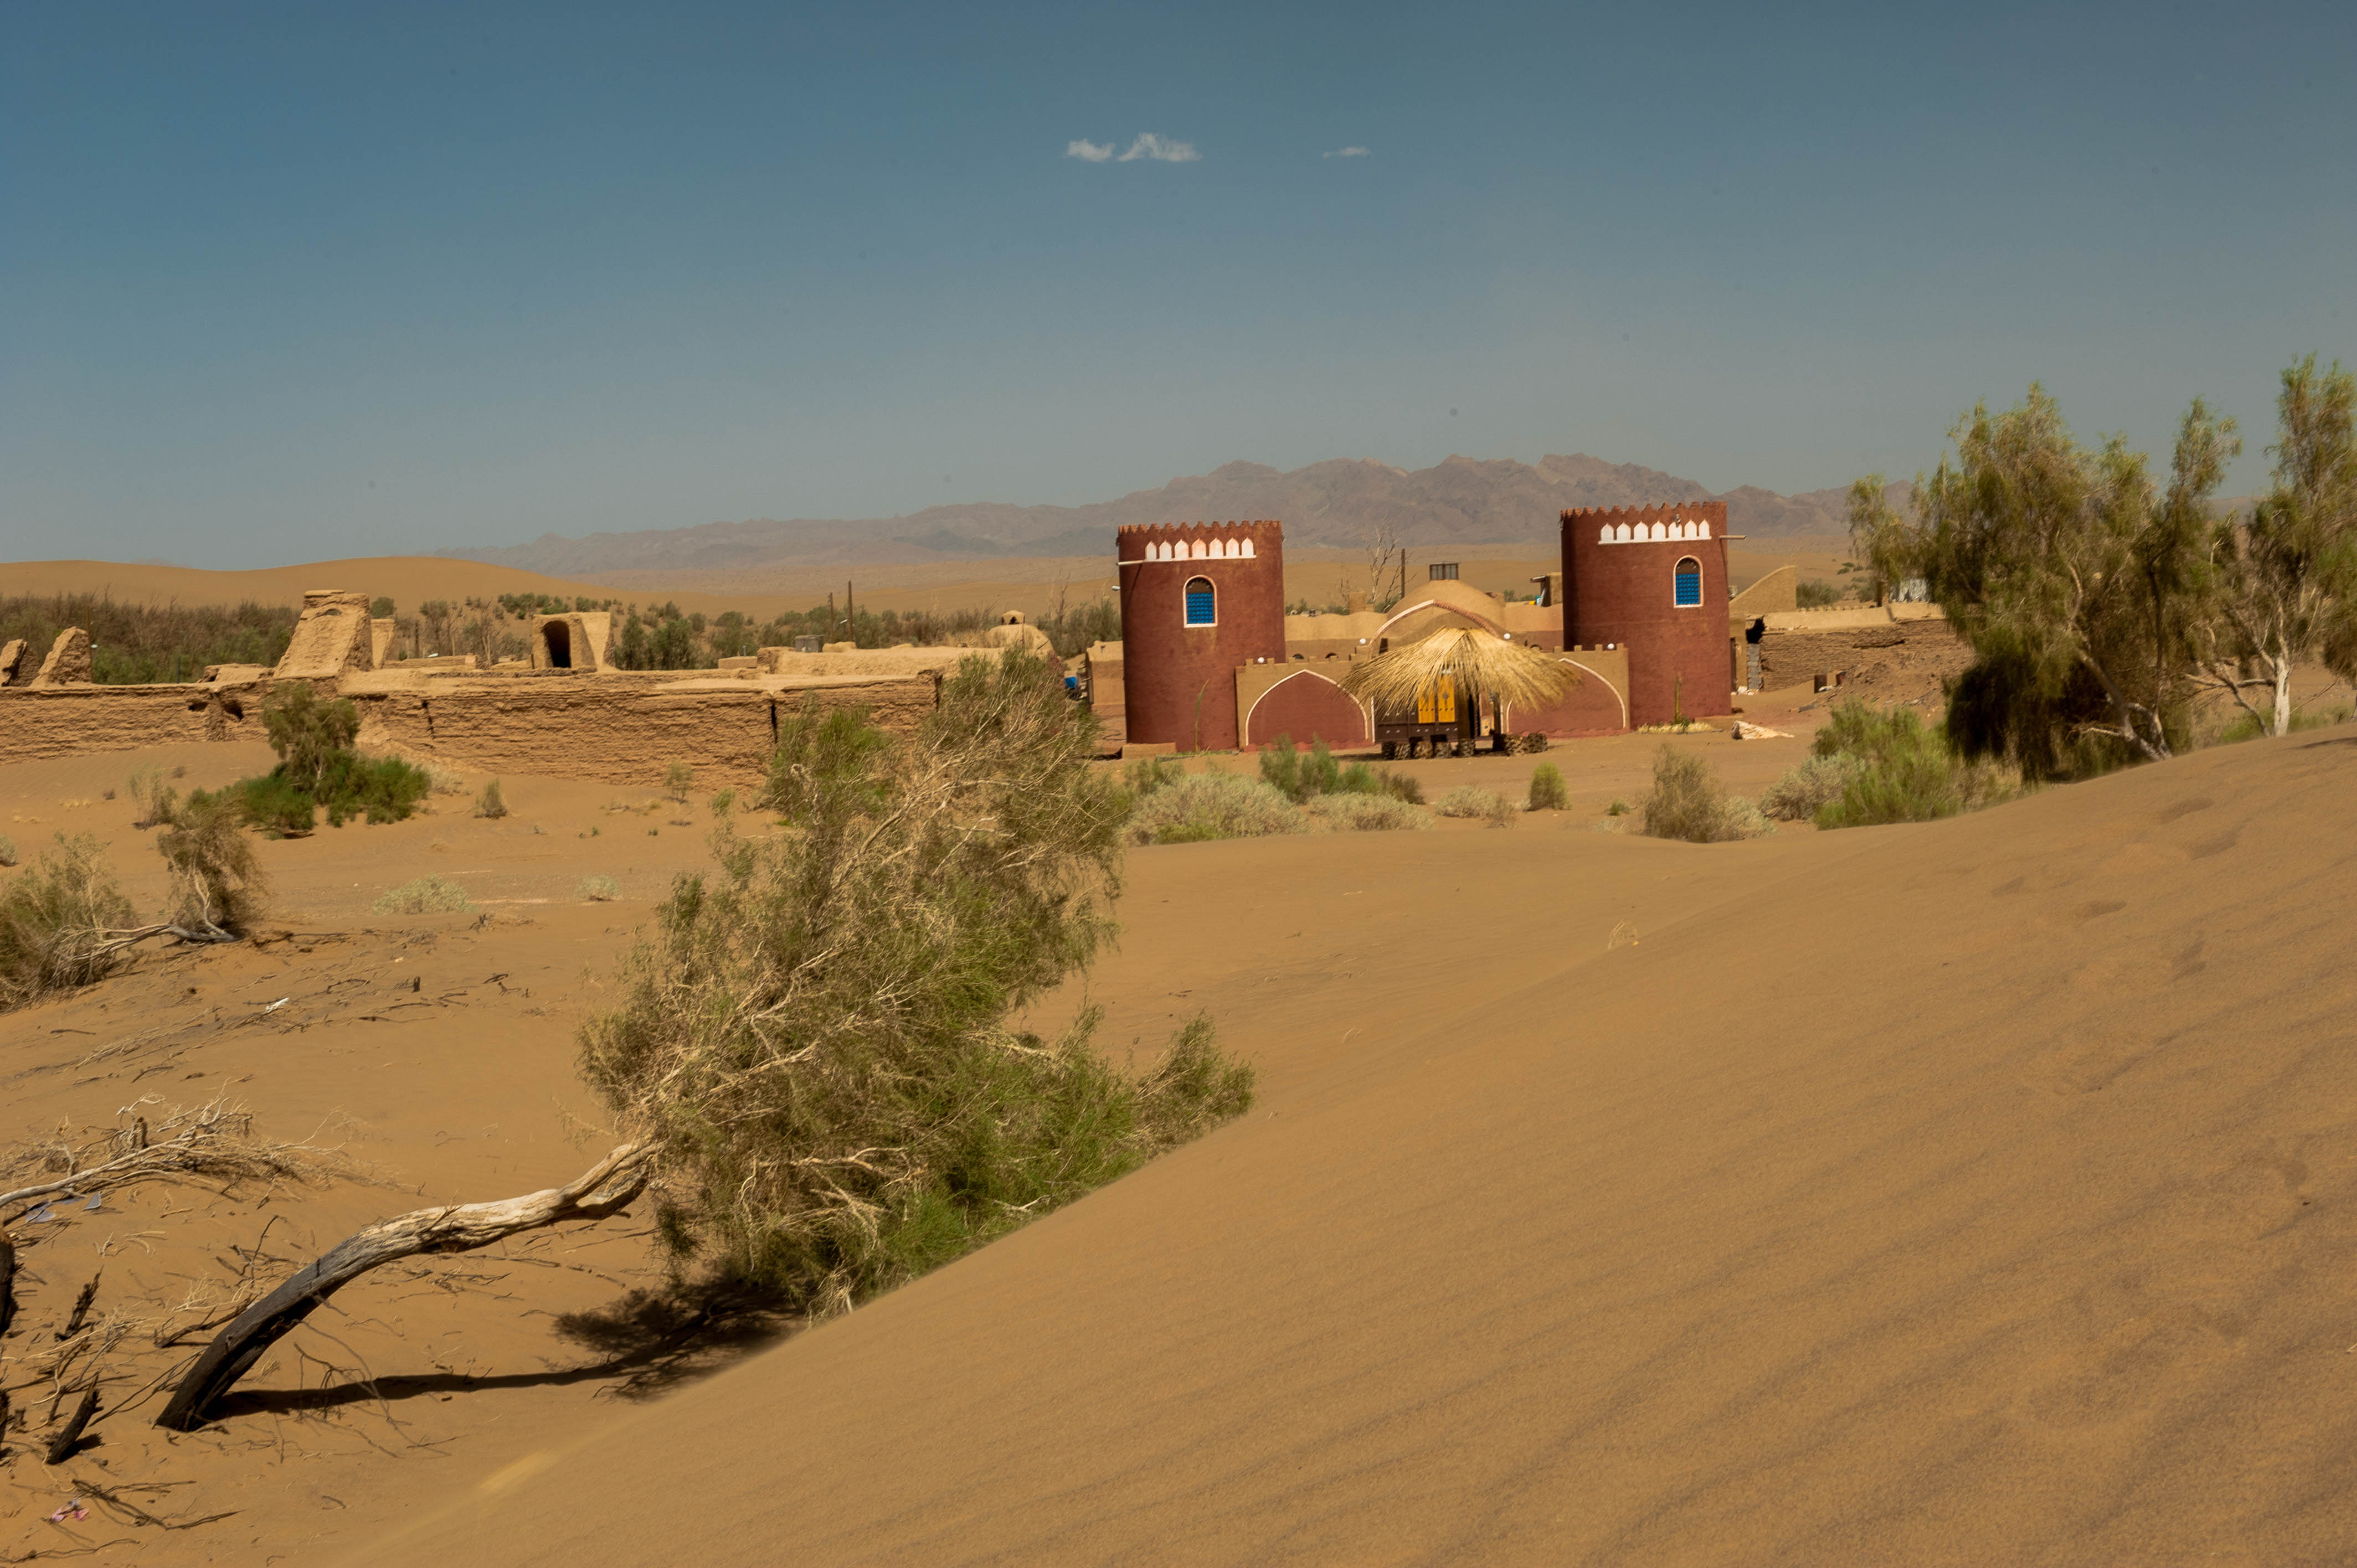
(293, 282)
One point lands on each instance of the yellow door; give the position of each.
(1447, 714)
(1424, 707)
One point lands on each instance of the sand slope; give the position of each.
(2016, 1227)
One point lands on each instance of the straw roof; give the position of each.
(1483, 665)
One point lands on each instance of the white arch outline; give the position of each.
(1365, 713)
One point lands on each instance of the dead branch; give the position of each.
(606, 1186)
(213, 1139)
(61, 1447)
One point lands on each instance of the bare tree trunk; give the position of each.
(597, 1192)
(2283, 697)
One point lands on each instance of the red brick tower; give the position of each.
(1653, 579)
(1198, 599)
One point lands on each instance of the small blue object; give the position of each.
(43, 1218)
(95, 1200)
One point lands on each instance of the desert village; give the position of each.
(1209, 661)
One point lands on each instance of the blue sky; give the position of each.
(290, 282)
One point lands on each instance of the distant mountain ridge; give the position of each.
(1338, 503)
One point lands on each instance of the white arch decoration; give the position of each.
(1366, 713)
(1248, 550)
(1619, 695)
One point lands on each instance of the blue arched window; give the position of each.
(1202, 608)
(1689, 581)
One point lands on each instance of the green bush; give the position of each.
(275, 807)
(427, 896)
(1688, 802)
(1359, 811)
(1901, 770)
(490, 803)
(1548, 791)
(1472, 801)
(386, 789)
(309, 732)
(817, 1032)
(678, 779)
(54, 915)
(1201, 806)
(598, 889)
(1148, 774)
(1816, 593)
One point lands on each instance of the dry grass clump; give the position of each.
(1688, 803)
(1367, 813)
(55, 917)
(1548, 791)
(1195, 807)
(1472, 801)
(8, 851)
(598, 889)
(429, 895)
(492, 803)
(815, 1033)
(1805, 788)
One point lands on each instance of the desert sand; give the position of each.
(1970, 1192)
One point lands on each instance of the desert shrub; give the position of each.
(386, 789)
(429, 895)
(723, 802)
(1816, 593)
(816, 1033)
(1688, 803)
(1548, 791)
(2251, 727)
(1359, 811)
(1617, 808)
(1902, 771)
(309, 732)
(1805, 788)
(54, 915)
(216, 881)
(1472, 801)
(678, 779)
(1148, 774)
(598, 889)
(1299, 775)
(274, 806)
(8, 850)
(1201, 806)
(490, 802)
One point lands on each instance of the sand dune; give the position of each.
(1971, 1193)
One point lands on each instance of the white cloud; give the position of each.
(1161, 149)
(1347, 153)
(1089, 152)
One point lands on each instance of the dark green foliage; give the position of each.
(1548, 791)
(134, 644)
(381, 607)
(1816, 593)
(53, 916)
(308, 732)
(816, 1032)
(274, 806)
(1301, 777)
(317, 767)
(1902, 771)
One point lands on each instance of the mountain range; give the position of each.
(1340, 503)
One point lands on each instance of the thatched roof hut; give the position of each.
(1483, 665)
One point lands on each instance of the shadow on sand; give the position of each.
(648, 1343)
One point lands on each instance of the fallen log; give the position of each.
(62, 1447)
(606, 1186)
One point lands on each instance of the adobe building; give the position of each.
(1198, 601)
(1652, 580)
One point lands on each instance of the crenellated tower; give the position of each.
(1653, 579)
(1198, 601)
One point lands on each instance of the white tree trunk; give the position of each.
(2283, 697)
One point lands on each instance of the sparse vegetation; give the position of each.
(132, 644)
(598, 889)
(816, 1034)
(1617, 808)
(53, 915)
(678, 779)
(723, 802)
(1549, 792)
(1899, 769)
(1301, 777)
(1688, 803)
(429, 895)
(8, 851)
(1806, 788)
(1816, 593)
(492, 803)
(1366, 813)
(216, 881)
(317, 767)
(1472, 801)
